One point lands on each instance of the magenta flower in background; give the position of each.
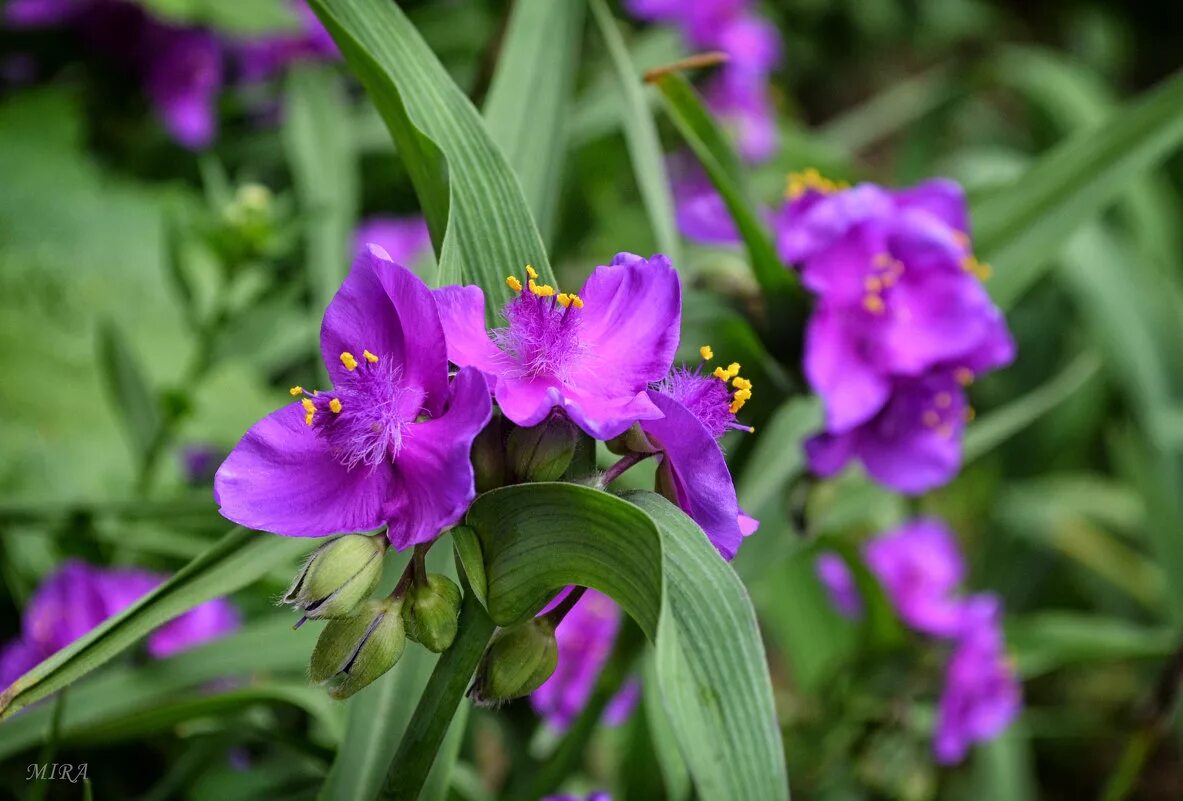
(585, 638)
(183, 79)
(920, 567)
(41, 13)
(901, 325)
(405, 239)
(264, 57)
(697, 409)
(700, 212)
(982, 694)
(387, 445)
(591, 355)
(599, 795)
(78, 597)
(835, 576)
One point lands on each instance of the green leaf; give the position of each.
(657, 564)
(1020, 229)
(1048, 641)
(238, 559)
(489, 230)
(134, 402)
(319, 148)
(640, 135)
(256, 17)
(530, 96)
(727, 174)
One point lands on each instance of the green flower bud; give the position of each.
(488, 455)
(517, 662)
(338, 576)
(353, 651)
(542, 453)
(431, 611)
(631, 441)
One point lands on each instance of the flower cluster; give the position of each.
(182, 68)
(739, 93)
(901, 325)
(920, 568)
(78, 597)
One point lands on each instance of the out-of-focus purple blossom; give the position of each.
(920, 567)
(406, 239)
(41, 13)
(599, 795)
(199, 462)
(183, 78)
(585, 638)
(835, 576)
(387, 445)
(78, 597)
(982, 695)
(700, 212)
(744, 104)
(264, 57)
(592, 355)
(901, 325)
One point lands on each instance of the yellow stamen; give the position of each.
(881, 260)
(733, 370)
(722, 374)
(513, 283)
(348, 360)
(564, 299)
(296, 391)
(962, 238)
(369, 357)
(576, 301)
(309, 411)
(742, 394)
(971, 265)
(706, 353)
(308, 419)
(874, 304)
(943, 400)
(873, 284)
(531, 272)
(735, 406)
(931, 418)
(964, 376)
(335, 405)
(945, 430)
(889, 278)
(741, 383)
(801, 182)
(970, 414)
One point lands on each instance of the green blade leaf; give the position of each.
(236, 560)
(658, 565)
(1020, 229)
(489, 230)
(129, 391)
(530, 96)
(640, 134)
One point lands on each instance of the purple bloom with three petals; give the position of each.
(405, 239)
(697, 409)
(982, 694)
(592, 355)
(835, 576)
(387, 445)
(901, 325)
(920, 568)
(585, 638)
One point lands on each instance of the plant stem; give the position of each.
(614, 472)
(438, 703)
(49, 750)
(419, 563)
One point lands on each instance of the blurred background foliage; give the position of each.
(144, 310)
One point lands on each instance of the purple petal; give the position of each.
(698, 471)
(920, 566)
(903, 453)
(462, 312)
(405, 239)
(829, 217)
(16, 659)
(835, 576)
(829, 453)
(940, 197)
(67, 605)
(434, 473)
(209, 621)
(840, 371)
(527, 402)
(601, 416)
(282, 478)
(184, 79)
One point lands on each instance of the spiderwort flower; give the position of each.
(835, 576)
(920, 567)
(585, 638)
(183, 78)
(982, 695)
(590, 354)
(697, 410)
(264, 57)
(405, 239)
(387, 445)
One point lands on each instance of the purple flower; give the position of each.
(599, 795)
(68, 604)
(744, 103)
(591, 355)
(406, 239)
(387, 445)
(902, 322)
(264, 57)
(920, 568)
(835, 576)
(41, 13)
(585, 639)
(183, 78)
(982, 695)
(16, 659)
(697, 410)
(701, 214)
(199, 461)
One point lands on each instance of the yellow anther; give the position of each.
(531, 272)
(335, 405)
(706, 353)
(874, 304)
(889, 278)
(722, 374)
(735, 406)
(741, 383)
(369, 357)
(742, 394)
(873, 284)
(308, 419)
(348, 360)
(962, 238)
(309, 410)
(943, 400)
(801, 182)
(945, 430)
(964, 376)
(882, 260)
(970, 414)
(971, 265)
(931, 418)
(732, 370)
(576, 301)
(296, 391)
(513, 283)
(564, 299)
(545, 291)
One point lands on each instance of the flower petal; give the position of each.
(829, 453)
(215, 618)
(433, 470)
(282, 478)
(603, 417)
(940, 197)
(462, 312)
(839, 371)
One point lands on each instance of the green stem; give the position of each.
(49, 750)
(438, 703)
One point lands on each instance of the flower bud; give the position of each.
(518, 661)
(338, 576)
(488, 456)
(353, 651)
(631, 441)
(543, 452)
(431, 611)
